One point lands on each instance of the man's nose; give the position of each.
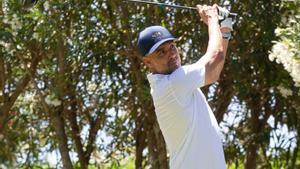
(172, 49)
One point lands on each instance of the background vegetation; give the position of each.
(74, 93)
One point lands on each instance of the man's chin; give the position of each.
(173, 68)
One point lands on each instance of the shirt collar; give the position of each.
(153, 78)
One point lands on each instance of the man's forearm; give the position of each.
(215, 37)
(214, 52)
(220, 66)
(225, 46)
(226, 27)
(214, 56)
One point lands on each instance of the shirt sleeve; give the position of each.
(186, 79)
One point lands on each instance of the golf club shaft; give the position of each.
(172, 6)
(164, 5)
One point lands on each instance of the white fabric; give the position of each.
(227, 23)
(188, 125)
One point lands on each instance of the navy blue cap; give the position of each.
(151, 38)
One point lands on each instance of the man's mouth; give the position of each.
(173, 61)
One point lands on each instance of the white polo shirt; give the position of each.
(188, 125)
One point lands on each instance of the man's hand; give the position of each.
(208, 13)
(211, 13)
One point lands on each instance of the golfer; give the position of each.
(187, 122)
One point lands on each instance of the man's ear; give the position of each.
(147, 61)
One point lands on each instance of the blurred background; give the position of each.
(74, 93)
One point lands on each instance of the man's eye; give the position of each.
(162, 53)
(172, 46)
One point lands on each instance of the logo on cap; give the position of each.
(157, 35)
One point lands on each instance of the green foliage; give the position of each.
(286, 50)
(88, 77)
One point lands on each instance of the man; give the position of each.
(188, 125)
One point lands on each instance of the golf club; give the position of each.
(220, 9)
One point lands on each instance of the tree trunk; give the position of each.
(251, 157)
(255, 105)
(76, 137)
(9, 101)
(95, 126)
(139, 146)
(58, 119)
(1, 7)
(156, 143)
(295, 155)
(160, 153)
(259, 105)
(223, 95)
(59, 127)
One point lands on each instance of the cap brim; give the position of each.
(154, 47)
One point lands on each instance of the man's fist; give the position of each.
(208, 12)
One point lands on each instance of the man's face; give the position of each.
(164, 60)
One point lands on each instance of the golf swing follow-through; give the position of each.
(187, 122)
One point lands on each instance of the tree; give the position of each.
(286, 50)
(72, 82)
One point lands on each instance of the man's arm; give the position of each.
(196, 75)
(214, 61)
(220, 66)
(214, 56)
(226, 27)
